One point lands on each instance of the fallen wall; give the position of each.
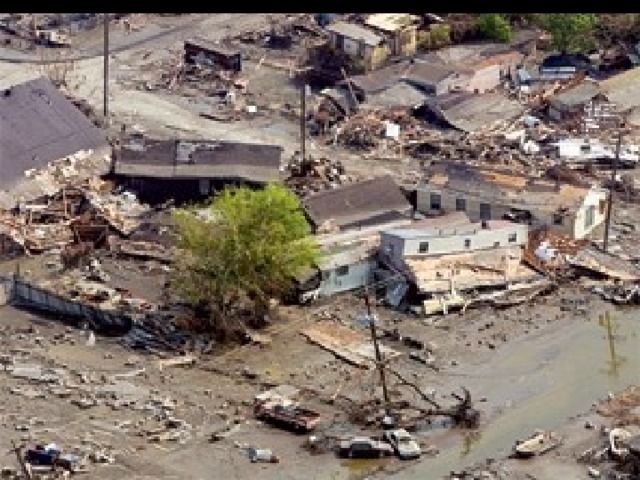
(21, 293)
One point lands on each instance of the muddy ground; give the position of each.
(85, 406)
(531, 366)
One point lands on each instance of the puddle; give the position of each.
(540, 385)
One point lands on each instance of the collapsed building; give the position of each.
(447, 260)
(488, 194)
(41, 129)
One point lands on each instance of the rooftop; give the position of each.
(363, 203)
(38, 124)
(576, 96)
(391, 22)
(399, 95)
(624, 88)
(355, 32)
(422, 72)
(429, 231)
(472, 112)
(200, 159)
(508, 188)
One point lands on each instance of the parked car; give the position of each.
(403, 443)
(364, 447)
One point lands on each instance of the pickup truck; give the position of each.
(289, 417)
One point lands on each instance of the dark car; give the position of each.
(364, 447)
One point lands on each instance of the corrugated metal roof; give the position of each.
(38, 124)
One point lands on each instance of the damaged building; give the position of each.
(487, 194)
(184, 170)
(41, 129)
(445, 257)
(357, 205)
(199, 51)
(366, 46)
(399, 29)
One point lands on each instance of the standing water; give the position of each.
(540, 384)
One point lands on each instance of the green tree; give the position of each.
(569, 31)
(495, 26)
(246, 253)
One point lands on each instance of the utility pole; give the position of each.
(376, 346)
(303, 123)
(106, 68)
(614, 174)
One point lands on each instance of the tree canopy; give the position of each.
(569, 31)
(246, 252)
(495, 26)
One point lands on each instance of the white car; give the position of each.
(403, 443)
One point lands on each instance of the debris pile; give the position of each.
(315, 175)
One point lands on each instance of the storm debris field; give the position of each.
(468, 200)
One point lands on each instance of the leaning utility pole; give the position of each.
(303, 123)
(612, 187)
(106, 68)
(376, 346)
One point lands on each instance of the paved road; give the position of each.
(120, 41)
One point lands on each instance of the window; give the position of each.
(513, 237)
(590, 217)
(342, 271)
(423, 247)
(467, 243)
(557, 219)
(324, 275)
(496, 244)
(461, 205)
(436, 201)
(485, 211)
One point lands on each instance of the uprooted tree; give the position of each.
(244, 254)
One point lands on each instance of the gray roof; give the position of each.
(380, 79)
(577, 96)
(355, 32)
(624, 88)
(363, 203)
(38, 124)
(399, 95)
(200, 159)
(427, 74)
(471, 112)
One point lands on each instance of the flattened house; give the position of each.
(39, 126)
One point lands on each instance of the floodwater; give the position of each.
(540, 384)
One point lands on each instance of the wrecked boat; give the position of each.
(537, 444)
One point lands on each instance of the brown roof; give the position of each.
(363, 203)
(200, 159)
(506, 187)
(38, 124)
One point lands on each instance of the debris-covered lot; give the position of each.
(463, 194)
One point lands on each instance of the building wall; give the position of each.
(372, 57)
(406, 41)
(451, 242)
(572, 225)
(357, 275)
(597, 201)
(484, 79)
